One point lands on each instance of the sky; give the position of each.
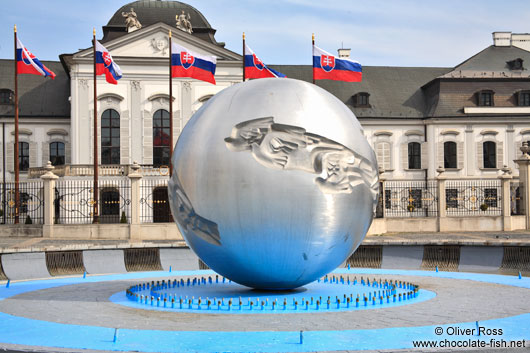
(379, 32)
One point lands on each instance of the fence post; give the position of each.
(506, 179)
(48, 181)
(524, 181)
(382, 182)
(440, 191)
(135, 176)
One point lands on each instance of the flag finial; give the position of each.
(169, 33)
(243, 35)
(313, 36)
(94, 31)
(15, 28)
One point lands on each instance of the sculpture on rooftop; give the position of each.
(184, 22)
(131, 20)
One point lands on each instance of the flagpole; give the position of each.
(170, 108)
(312, 65)
(244, 57)
(17, 171)
(96, 172)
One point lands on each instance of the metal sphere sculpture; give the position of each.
(274, 184)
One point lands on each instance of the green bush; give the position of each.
(123, 218)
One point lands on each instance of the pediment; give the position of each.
(153, 42)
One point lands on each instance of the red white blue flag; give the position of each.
(255, 68)
(27, 63)
(106, 65)
(329, 67)
(185, 63)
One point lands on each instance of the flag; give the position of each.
(329, 67)
(27, 63)
(105, 65)
(185, 63)
(255, 68)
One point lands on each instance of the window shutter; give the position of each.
(10, 150)
(480, 155)
(440, 154)
(460, 155)
(124, 137)
(500, 155)
(404, 156)
(67, 153)
(386, 153)
(379, 155)
(424, 156)
(33, 155)
(45, 147)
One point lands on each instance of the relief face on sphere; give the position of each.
(280, 146)
(189, 220)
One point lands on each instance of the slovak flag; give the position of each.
(329, 67)
(105, 65)
(255, 68)
(185, 63)
(27, 63)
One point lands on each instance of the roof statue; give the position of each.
(183, 22)
(131, 20)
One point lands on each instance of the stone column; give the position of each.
(135, 176)
(440, 192)
(524, 181)
(48, 180)
(506, 179)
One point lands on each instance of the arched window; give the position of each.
(161, 147)
(450, 155)
(110, 205)
(489, 154)
(110, 137)
(57, 153)
(161, 211)
(414, 155)
(23, 156)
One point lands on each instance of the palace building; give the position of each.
(470, 119)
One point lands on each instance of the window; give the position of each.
(451, 198)
(489, 154)
(110, 205)
(23, 156)
(414, 155)
(388, 199)
(415, 198)
(383, 155)
(361, 100)
(6, 96)
(110, 137)
(523, 99)
(57, 153)
(450, 155)
(161, 147)
(490, 197)
(161, 211)
(485, 98)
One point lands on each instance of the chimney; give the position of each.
(502, 39)
(344, 53)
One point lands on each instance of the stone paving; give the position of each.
(456, 301)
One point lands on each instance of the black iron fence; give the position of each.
(410, 199)
(516, 199)
(74, 201)
(30, 202)
(154, 205)
(473, 197)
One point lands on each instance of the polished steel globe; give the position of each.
(274, 183)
